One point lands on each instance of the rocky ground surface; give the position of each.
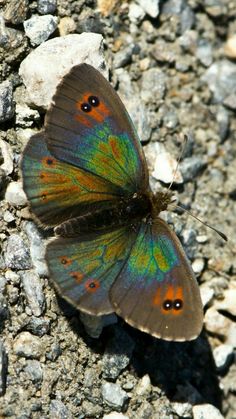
(174, 65)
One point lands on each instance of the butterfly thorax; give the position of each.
(120, 213)
(160, 202)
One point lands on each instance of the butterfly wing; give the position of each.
(57, 190)
(156, 290)
(84, 268)
(88, 127)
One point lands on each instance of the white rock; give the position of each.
(216, 323)
(183, 410)
(231, 337)
(6, 101)
(222, 355)
(115, 415)
(113, 395)
(15, 194)
(207, 294)
(230, 47)
(144, 386)
(206, 411)
(165, 166)
(151, 7)
(229, 302)
(136, 13)
(198, 265)
(45, 66)
(25, 116)
(7, 155)
(39, 28)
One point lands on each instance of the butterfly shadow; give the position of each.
(183, 371)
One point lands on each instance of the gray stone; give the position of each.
(223, 356)
(33, 292)
(204, 52)
(13, 44)
(124, 56)
(173, 7)
(6, 101)
(39, 28)
(28, 346)
(221, 79)
(206, 411)
(117, 354)
(153, 85)
(7, 156)
(94, 324)
(222, 118)
(37, 248)
(215, 8)
(16, 11)
(58, 410)
(17, 254)
(15, 195)
(151, 7)
(191, 167)
(33, 368)
(134, 105)
(113, 395)
(56, 57)
(230, 101)
(187, 19)
(161, 52)
(46, 6)
(38, 326)
(3, 369)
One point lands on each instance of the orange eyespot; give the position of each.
(92, 285)
(78, 276)
(48, 161)
(65, 260)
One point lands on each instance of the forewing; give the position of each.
(57, 190)
(156, 291)
(98, 138)
(83, 269)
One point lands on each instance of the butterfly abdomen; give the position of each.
(122, 213)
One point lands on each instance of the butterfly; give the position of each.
(86, 176)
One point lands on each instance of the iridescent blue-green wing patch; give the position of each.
(156, 290)
(88, 126)
(84, 268)
(57, 190)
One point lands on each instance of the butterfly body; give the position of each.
(122, 213)
(86, 176)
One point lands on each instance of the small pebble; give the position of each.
(46, 6)
(57, 410)
(206, 411)
(38, 326)
(216, 323)
(204, 53)
(25, 116)
(221, 79)
(183, 410)
(117, 354)
(66, 26)
(34, 369)
(6, 101)
(223, 355)
(151, 7)
(113, 395)
(153, 85)
(33, 292)
(198, 265)
(165, 166)
(28, 346)
(115, 415)
(94, 324)
(191, 167)
(15, 195)
(39, 28)
(123, 57)
(136, 13)
(144, 386)
(16, 11)
(230, 47)
(17, 255)
(7, 156)
(37, 248)
(207, 294)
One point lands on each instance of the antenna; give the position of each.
(222, 235)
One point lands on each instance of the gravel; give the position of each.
(173, 64)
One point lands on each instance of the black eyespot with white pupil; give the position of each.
(167, 305)
(93, 101)
(178, 304)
